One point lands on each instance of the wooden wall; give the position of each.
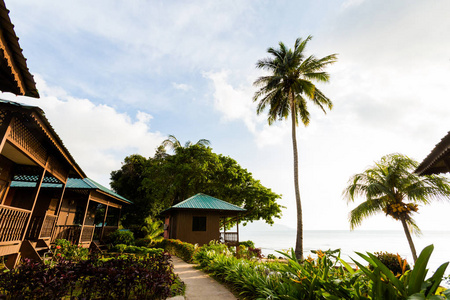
(182, 221)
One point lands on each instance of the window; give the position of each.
(199, 224)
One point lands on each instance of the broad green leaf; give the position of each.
(347, 266)
(419, 272)
(400, 287)
(436, 278)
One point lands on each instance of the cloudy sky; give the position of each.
(117, 77)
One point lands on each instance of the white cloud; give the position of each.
(182, 86)
(236, 104)
(97, 136)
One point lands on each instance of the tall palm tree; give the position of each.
(285, 91)
(173, 143)
(390, 186)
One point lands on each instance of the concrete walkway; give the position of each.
(198, 284)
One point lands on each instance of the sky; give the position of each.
(117, 77)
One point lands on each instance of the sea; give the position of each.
(349, 242)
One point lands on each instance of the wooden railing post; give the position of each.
(84, 218)
(36, 195)
(104, 220)
(58, 208)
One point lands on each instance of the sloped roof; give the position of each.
(14, 74)
(29, 110)
(202, 201)
(72, 183)
(438, 161)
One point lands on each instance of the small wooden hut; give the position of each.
(198, 220)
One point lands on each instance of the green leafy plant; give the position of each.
(64, 249)
(393, 262)
(121, 248)
(248, 244)
(121, 236)
(153, 230)
(183, 250)
(412, 284)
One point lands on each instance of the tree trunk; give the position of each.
(410, 241)
(299, 240)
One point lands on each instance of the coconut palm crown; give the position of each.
(390, 186)
(285, 92)
(173, 143)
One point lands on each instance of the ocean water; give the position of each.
(350, 241)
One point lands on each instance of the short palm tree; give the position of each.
(153, 230)
(390, 186)
(173, 143)
(285, 92)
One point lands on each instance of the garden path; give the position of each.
(198, 284)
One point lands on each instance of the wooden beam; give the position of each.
(36, 195)
(12, 64)
(84, 219)
(103, 224)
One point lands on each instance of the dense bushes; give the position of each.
(183, 250)
(121, 236)
(121, 278)
(393, 262)
(121, 248)
(63, 249)
(325, 277)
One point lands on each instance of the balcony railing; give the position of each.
(229, 237)
(87, 233)
(47, 226)
(67, 232)
(12, 223)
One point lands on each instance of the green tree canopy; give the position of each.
(390, 186)
(159, 182)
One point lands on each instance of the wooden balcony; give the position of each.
(47, 226)
(67, 232)
(229, 238)
(87, 233)
(12, 223)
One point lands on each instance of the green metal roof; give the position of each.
(72, 183)
(202, 201)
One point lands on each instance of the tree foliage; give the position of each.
(156, 183)
(390, 186)
(286, 91)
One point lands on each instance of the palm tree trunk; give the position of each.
(299, 240)
(410, 241)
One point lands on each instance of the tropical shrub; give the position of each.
(412, 284)
(271, 256)
(64, 249)
(121, 236)
(183, 250)
(248, 244)
(153, 230)
(325, 277)
(121, 248)
(121, 278)
(142, 242)
(393, 262)
(249, 252)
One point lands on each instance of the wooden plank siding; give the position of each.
(184, 232)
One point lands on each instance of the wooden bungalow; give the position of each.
(44, 194)
(438, 161)
(30, 151)
(37, 172)
(198, 220)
